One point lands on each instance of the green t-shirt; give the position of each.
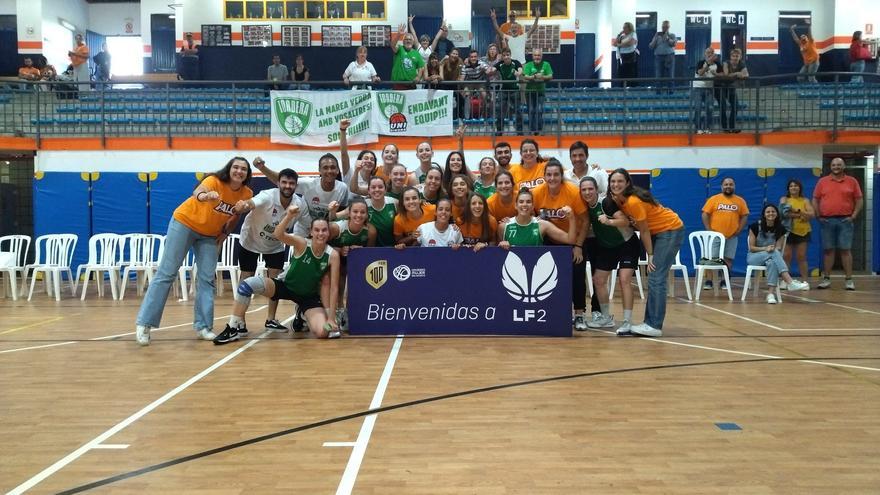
(303, 277)
(348, 238)
(531, 69)
(484, 191)
(508, 73)
(383, 220)
(607, 236)
(523, 235)
(406, 65)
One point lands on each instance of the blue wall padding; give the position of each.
(119, 203)
(684, 191)
(752, 188)
(167, 191)
(777, 180)
(61, 206)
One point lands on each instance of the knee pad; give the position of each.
(249, 287)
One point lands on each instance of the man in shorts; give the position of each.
(727, 214)
(837, 201)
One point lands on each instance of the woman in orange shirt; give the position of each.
(461, 187)
(411, 213)
(662, 232)
(477, 226)
(201, 223)
(530, 172)
(502, 204)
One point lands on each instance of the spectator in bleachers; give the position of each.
(48, 73)
(360, 73)
(426, 45)
(735, 72)
(663, 45)
(102, 64)
(507, 100)
(837, 201)
(492, 58)
(536, 74)
(28, 72)
(408, 66)
(433, 72)
(444, 47)
(277, 72)
(79, 59)
(702, 95)
(808, 53)
(300, 73)
(727, 214)
(859, 54)
(450, 72)
(511, 20)
(766, 237)
(189, 60)
(797, 211)
(627, 53)
(515, 38)
(474, 71)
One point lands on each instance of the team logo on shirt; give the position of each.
(515, 279)
(293, 115)
(377, 273)
(727, 207)
(225, 208)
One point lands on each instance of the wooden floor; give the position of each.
(83, 408)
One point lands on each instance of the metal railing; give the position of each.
(568, 107)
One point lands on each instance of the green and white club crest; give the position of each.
(293, 115)
(391, 102)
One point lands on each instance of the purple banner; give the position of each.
(437, 291)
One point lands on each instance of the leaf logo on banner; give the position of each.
(293, 115)
(391, 102)
(516, 281)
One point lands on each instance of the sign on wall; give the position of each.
(336, 36)
(523, 291)
(259, 35)
(216, 35)
(376, 36)
(296, 36)
(545, 37)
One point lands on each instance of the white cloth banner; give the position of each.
(418, 112)
(311, 118)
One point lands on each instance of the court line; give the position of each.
(829, 330)
(750, 320)
(93, 443)
(346, 484)
(339, 444)
(780, 329)
(427, 400)
(32, 325)
(111, 446)
(108, 337)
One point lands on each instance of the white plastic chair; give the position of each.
(54, 254)
(590, 279)
(684, 273)
(103, 256)
(638, 274)
(701, 243)
(228, 263)
(143, 258)
(187, 268)
(15, 249)
(758, 270)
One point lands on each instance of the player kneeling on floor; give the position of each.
(310, 262)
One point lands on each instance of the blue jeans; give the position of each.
(664, 66)
(178, 242)
(536, 110)
(857, 66)
(774, 263)
(837, 233)
(666, 246)
(702, 100)
(809, 69)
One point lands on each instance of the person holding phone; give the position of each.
(663, 45)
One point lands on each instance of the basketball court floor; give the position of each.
(734, 398)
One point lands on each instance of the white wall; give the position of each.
(7, 7)
(110, 19)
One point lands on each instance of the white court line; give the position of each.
(828, 329)
(774, 327)
(115, 336)
(340, 444)
(360, 447)
(93, 443)
(857, 310)
(111, 446)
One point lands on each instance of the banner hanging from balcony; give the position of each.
(419, 112)
(311, 118)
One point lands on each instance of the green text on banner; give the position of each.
(419, 112)
(311, 118)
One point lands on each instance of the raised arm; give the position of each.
(280, 233)
(794, 35)
(412, 28)
(494, 18)
(401, 32)
(343, 146)
(534, 24)
(270, 174)
(440, 31)
(459, 133)
(353, 181)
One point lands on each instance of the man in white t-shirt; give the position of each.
(318, 194)
(515, 39)
(266, 211)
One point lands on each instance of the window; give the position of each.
(549, 8)
(315, 9)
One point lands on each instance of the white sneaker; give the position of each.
(601, 322)
(849, 285)
(206, 334)
(771, 299)
(798, 285)
(783, 286)
(624, 329)
(142, 334)
(646, 330)
(580, 323)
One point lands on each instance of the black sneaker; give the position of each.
(275, 325)
(228, 335)
(242, 332)
(298, 323)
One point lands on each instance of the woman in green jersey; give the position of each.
(311, 262)
(526, 230)
(432, 189)
(348, 234)
(484, 185)
(381, 210)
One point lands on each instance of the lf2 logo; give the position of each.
(293, 115)
(515, 279)
(377, 273)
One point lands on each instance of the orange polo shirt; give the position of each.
(473, 232)
(659, 217)
(208, 217)
(528, 178)
(500, 210)
(725, 213)
(547, 206)
(404, 225)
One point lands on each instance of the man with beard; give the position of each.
(727, 214)
(503, 155)
(266, 211)
(837, 201)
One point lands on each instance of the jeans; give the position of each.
(178, 242)
(664, 66)
(666, 246)
(728, 108)
(809, 69)
(857, 66)
(536, 110)
(837, 233)
(702, 100)
(506, 103)
(774, 263)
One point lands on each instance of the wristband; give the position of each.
(199, 196)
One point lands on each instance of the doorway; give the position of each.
(790, 52)
(733, 33)
(698, 36)
(646, 27)
(127, 53)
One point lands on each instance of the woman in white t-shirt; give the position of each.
(360, 72)
(440, 232)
